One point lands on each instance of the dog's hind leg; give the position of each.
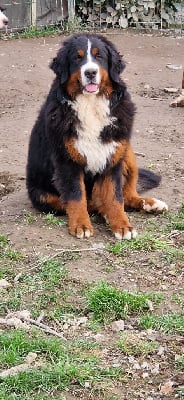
(131, 198)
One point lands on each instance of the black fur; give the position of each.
(50, 168)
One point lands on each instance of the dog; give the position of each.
(3, 18)
(80, 159)
(179, 101)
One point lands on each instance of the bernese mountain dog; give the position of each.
(80, 159)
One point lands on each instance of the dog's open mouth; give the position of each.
(91, 88)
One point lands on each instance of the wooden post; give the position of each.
(71, 10)
(33, 12)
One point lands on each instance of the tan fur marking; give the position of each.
(130, 173)
(73, 84)
(74, 154)
(119, 153)
(104, 201)
(105, 85)
(80, 52)
(79, 221)
(95, 51)
(183, 81)
(53, 201)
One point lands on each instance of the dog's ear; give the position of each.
(116, 64)
(59, 65)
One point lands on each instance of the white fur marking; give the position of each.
(3, 20)
(90, 64)
(94, 114)
(158, 206)
(127, 236)
(89, 51)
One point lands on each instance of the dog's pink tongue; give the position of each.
(91, 88)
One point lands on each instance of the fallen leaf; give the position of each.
(167, 388)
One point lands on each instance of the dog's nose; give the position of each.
(5, 21)
(90, 73)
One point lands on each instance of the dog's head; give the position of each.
(88, 64)
(3, 18)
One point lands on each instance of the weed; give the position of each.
(173, 255)
(51, 219)
(179, 298)
(166, 323)
(145, 242)
(130, 344)
(108, 303)
(180, 362)
(29, 218)
(175, 220)
(3, 241)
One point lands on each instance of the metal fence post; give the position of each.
(33, 12)
(71, 10)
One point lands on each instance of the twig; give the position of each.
(139, 154)
(41, 317)
(46, 328)
(59, 252)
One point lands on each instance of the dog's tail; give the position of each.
(147, 180)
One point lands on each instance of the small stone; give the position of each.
(87, 385)
(145, 365)
(155, 369)
(174, 66)
(136, 366)
(118, 326)
(170, 90)
(161, 350)
(4, 283)
(145, 375)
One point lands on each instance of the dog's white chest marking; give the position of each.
(94, 114)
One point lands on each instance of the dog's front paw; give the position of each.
(155, 205)
(125, 233)
(81, 229)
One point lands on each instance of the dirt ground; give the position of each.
(158, 140)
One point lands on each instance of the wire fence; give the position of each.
(95, 14)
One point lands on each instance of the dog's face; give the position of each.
(3, 19)
(88, 64)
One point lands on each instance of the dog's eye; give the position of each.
(80, 55)
(98, 56)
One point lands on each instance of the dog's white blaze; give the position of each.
(90, 64)
(89, 59)
(94, 114)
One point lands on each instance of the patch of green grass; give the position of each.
(175, 220)
(131, 344)
(29, 218)
(64, 363)
(6, 252)
(51, 219)
(108, 303)
(146, 242)
(166, 323)
(34, 32)
(49, 274)
(3, 241)
(173, 255)
(179, 298)
(180, 362)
